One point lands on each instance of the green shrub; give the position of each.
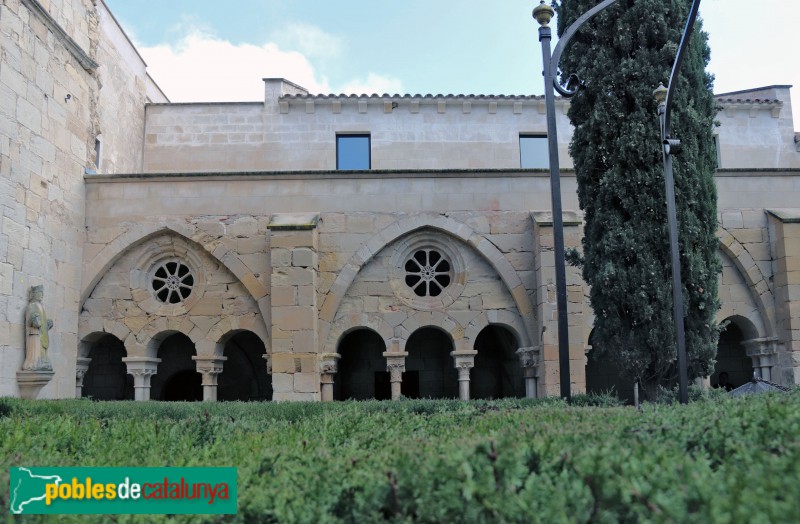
(513, 460)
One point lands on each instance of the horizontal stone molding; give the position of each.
(74, 49)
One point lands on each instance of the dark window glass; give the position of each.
(533, 152)
(352, 152)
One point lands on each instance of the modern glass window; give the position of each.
(352, 152)
(533, 152)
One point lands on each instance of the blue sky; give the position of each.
(205, 50)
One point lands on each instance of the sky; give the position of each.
(214, 51)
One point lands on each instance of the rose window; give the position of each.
(173, 282)
(427, 273)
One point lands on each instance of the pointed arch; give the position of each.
(443, 224)
(757, 284)
(95, 269)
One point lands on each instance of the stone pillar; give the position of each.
(464, 361)
(293, 244)
(529, 360)
(142, 369)
(547, 308)
(327, 369)
(396, 366)
(764, 353)
(784, 232)
(209, 368)
(81, 367)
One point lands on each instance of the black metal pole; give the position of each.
(543, 14)
(558, 224)
(671, 146)
(677, 285)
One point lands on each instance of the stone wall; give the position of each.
(46, 105)
(289, 133)
(64, 78)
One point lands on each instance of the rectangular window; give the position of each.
(533, 152)
(353, 152)
(717, 152)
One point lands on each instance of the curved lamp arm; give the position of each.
(563, 42)
(676, 66)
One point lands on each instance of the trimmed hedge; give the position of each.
(715, 460)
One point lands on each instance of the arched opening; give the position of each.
(177, 377)
(244, 375)
(107, 377)
(430, 372)
(732, 357)
(183, 386)
(361, 370)
(497, 372)
(602, 376)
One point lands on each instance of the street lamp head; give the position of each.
(660, 93)
(543, 13)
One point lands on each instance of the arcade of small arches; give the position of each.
(173, 369)
(361, 369)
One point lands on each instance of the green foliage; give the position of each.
(716, 460)
(622, 55)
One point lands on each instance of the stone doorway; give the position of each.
(361, 371)
(732, 357)
(497, 372)
(430, 372)
(183, 386)
(176, 352)
(244, 375)
(107, 377)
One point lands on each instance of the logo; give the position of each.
(75, 491)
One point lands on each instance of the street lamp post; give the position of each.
(543, 13)
(671, 146)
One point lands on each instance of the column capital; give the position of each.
(141, 366)
(529, 357)
(328, 363)
(759, 347)
(209, 365)
(81, 367)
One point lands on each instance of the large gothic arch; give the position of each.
(442, 224)
(96, 268)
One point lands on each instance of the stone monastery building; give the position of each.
(318, 247)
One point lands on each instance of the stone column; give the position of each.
(464, 361)
(209, 368)
(529, 360)
(328, 369)
(546, 306)
(293, 244)
(396, 366)
(142, 369)
(764, 353)
(81, 367)
(784, 232)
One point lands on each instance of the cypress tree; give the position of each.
(622, 55)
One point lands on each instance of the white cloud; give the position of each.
(310, 40)
(203, 68)
(374, 83)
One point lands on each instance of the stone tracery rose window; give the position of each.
(172, 282)
(428, 273)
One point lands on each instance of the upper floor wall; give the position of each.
(292, 130)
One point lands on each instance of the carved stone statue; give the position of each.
(37, 339)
